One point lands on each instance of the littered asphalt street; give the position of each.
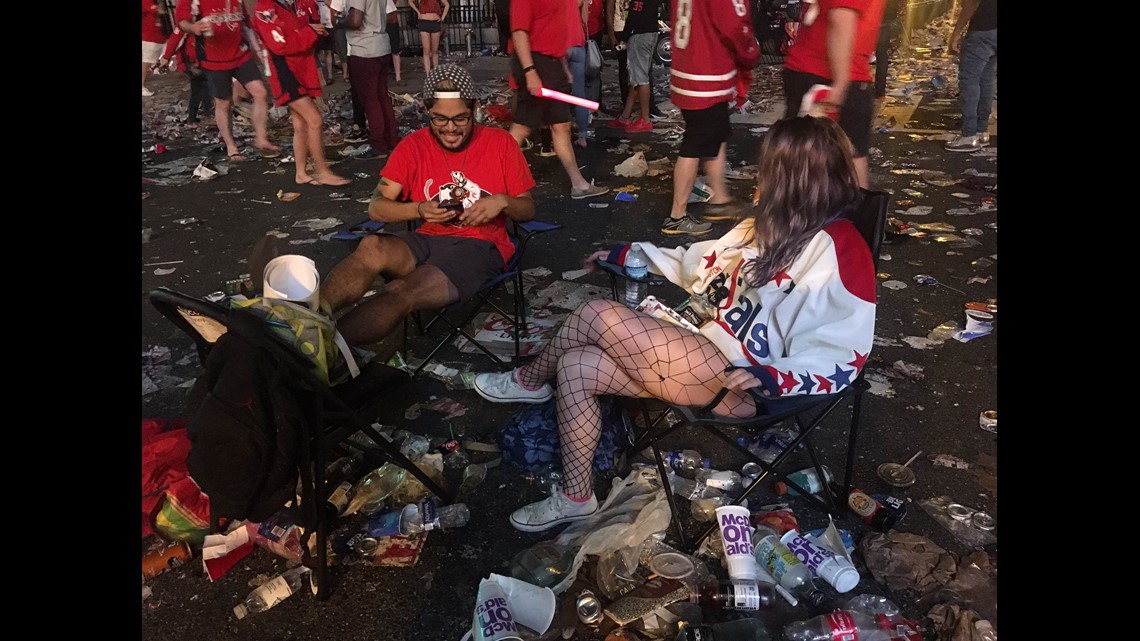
(929, 388)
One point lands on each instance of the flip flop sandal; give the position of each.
(237, 158)
(269, 154)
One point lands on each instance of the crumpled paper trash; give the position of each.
(955, 623)
(633, 167)
(906, 561)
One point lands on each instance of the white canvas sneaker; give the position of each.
(551, 512)
(505, 388)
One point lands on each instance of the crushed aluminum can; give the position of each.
(925, 279)
(589, 608)
(983, 521)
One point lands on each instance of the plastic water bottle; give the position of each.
(775, 557)
(272, 592)
(687, 462)
(426, 515)
(726, 481)
(747, 629)
(636, 275)
(369, 493)
(705, 500)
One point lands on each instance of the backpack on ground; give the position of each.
(249, 429)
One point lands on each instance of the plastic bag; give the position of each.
(635, 510)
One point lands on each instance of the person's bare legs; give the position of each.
(225, 128)
(300, 148)
(409, 288)
(862, 172)
(396, 66)
(560, 140)
(684, 176)
(260, 97)
(519, 132)
(643, 96)
(425, 40)
(435, 49)
(630, 98)
(714, 173)
(314, 142)
(604, 347)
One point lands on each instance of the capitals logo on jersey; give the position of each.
(459, 189)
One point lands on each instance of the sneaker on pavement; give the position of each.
(984, 138)
(356, 135)
(589, 192)
(505, 388)
(964, 143)
(685, 225)
(726, 211)
(372, 154)
(655, 114)
(619, 123)
(147, 93)
(551, 512)
(639, 126)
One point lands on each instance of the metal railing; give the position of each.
(462, 31)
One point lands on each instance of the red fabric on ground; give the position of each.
(163, 462)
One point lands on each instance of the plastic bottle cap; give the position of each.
(240, 611)
(781, 487)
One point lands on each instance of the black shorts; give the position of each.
(530, 110)
(325, 43)
(393, 30)
(221, 84)
(855, 116)
(467, 262)
(705, 130)
(428, 26)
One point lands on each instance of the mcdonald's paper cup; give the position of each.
(736, 532)
(494, 620)
(293, 278)
(533, 606)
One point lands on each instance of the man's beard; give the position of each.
(462, 144)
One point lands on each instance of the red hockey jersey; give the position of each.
(226, 49)
(713, 42)
(286, 33)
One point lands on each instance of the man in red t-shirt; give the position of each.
(833, 47)
(462, 181)
(538, 33)
(223, 54)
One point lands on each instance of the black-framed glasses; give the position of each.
(462, 120)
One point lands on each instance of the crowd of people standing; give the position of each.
(282, 51)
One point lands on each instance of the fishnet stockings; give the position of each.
(605, 347)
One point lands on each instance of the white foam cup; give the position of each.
(836, 570)
(736, 534)
(493, 620)
(533, 606)
(293, 278)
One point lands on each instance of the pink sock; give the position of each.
(524, 385)
(575, 499)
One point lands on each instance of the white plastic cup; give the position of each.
(736, 534)
(493, 619)
(293, 278)
(836, 570)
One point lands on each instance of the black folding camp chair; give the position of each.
(456, 316)
(340, 410)
(807, 412)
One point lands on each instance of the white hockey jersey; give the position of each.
(807, 331)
